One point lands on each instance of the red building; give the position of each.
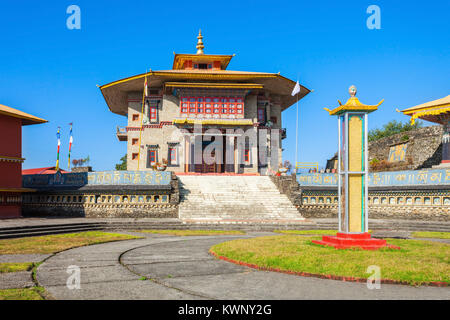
(11, 122)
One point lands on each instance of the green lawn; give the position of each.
(15, 267)
(194, 232)
(308, 232)
(417, 262)
(21, 294)
(429, 234)
(59, 242)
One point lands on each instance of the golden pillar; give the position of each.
(353, 167)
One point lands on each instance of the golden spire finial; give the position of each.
(200, 45)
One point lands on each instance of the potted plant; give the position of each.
(161, 166)
(284, 168)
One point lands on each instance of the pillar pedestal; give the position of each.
(350, 240)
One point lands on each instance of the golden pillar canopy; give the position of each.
(353, 174)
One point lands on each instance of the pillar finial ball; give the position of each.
(352, 90)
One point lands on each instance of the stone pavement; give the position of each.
(22, 279)
(168, 267)
(313, 223)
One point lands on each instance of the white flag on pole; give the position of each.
(146, 87)
(296, 89)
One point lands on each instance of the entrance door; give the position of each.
(208, 167)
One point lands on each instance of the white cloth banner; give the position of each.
(296, 89)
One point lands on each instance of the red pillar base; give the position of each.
(357, 240)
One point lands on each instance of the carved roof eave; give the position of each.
(116, 93)
(353, 105)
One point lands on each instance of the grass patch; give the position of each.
(15, 267)
(194, 232)
(417, 262)
(430, 234)
(308, 232)
(21, 294)
(58, 242)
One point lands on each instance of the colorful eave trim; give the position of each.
(11, 159)
(429, 111)
(190, 75)
(214, 85)
(353, 105)
(231, 122)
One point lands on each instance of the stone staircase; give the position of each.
(234, 199)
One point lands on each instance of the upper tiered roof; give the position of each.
(190, 69)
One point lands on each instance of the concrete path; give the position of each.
(167, 267)
(22, 279)
(385, 224)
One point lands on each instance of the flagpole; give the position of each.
(296, 137)
(70, 146)
(142, 118)
(57, 153)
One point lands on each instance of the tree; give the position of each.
(123, 164)
(391, 128)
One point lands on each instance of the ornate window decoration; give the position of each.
(153, 110)
(225, 107)
(152, 158)
(173, 156)
(261, 115)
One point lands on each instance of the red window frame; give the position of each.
(152, 156)
(246, 155)
(153, 110)
(173, 155)
(153, 115)
(273, 119)
(261, 115)
(217, 105)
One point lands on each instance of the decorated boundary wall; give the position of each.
(421, 194)
(382, 179)
(151, 194)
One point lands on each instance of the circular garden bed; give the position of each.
(416, 263)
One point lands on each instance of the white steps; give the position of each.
(234, 199)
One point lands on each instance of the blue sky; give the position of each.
(50, 71)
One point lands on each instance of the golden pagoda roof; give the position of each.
(200, 56)
(27, 119)
(116, 92)
(353, 104)
(180, 58)
(429, 111)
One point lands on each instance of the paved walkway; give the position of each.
(385, 224)
(22, 279)
(181, 268)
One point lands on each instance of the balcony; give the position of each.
(283, 133)
(122, 133)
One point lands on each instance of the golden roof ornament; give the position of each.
(352, 90)
(353, 104)
(200, 45)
